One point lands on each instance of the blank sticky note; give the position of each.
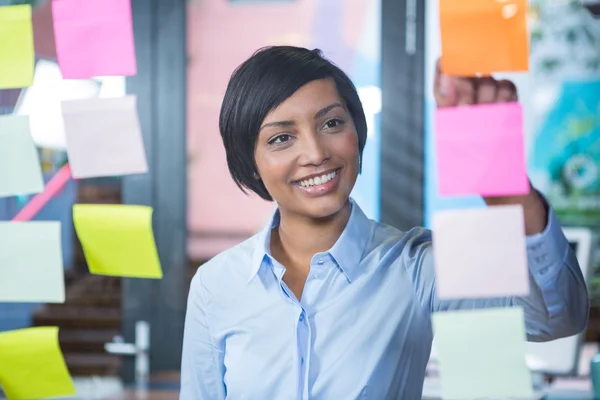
(480, 252)
(32, 365)
(104, 137)
(484, 36)
(31, 263)
(480, 150)
(16, 47)
(117, 240)
(94, 38)
(482, 354)
(20, 170)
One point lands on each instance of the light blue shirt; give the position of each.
(362, 329)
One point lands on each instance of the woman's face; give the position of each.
(307, 151)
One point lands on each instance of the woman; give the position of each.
(325, 303)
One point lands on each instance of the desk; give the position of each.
(569, 395)
(576, 389)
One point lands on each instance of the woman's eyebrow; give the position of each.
(280, 124)
(285, 124)
(323, 112)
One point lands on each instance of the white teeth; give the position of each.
(319, 180)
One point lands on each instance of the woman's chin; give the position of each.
(325, 207)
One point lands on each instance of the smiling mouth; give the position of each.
(318, 180)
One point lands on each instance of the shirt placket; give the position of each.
(303, 329)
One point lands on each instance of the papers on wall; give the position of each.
(482, 354)
(480, 252)
(31, 263)
(20, 170)
(484, 36)
(480, 150)
(94, 38)
(117, 240)
(16, 47)
(32, 365)
(104, 137)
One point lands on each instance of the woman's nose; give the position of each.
(314, 150)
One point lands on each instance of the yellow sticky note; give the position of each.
(16, 47)
(32, 365)
(117, 239)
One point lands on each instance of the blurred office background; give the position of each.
(186, 51)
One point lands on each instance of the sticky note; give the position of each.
(94, 38)
(42, 103)
(480, 150)
(16, 47)
(104, 137)
(31, 263)
(32, 365)
(481, 354)
(117, 240)
(20, 170)
(484, 36)
(480, 252)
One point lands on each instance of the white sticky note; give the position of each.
(20, 170)
(31, 263)
(481, 354)
(480, 252)
(104, 137)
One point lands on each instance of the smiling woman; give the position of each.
(325, 303)
(260, 86)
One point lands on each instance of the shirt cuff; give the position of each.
(546, 251)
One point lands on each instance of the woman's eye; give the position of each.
(333, 123)
(280, 139)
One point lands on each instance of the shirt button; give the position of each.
(320, 262)
(301, 317)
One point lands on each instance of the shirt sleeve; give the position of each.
(557, 305)
(202, 362)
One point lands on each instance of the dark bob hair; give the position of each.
(262, 83)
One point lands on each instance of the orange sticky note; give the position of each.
(480, 37)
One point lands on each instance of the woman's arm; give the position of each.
(202, 362)
(557, 305)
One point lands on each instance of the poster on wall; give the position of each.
(564, 154)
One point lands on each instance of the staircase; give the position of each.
(90, 317)
(91, 313)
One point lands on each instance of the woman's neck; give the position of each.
(298, 238)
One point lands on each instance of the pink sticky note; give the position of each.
(480, 150)
(94, 38)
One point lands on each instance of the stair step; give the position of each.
(112, 300)
(95, 284)
(85, 341)
(78, 317)
(93, 364)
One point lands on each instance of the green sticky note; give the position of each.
(482, 354)
(117, 239)
(16, 47)
(32, 365)
(31, 263)
(20, 170)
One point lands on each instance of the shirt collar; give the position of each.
(347, 251)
